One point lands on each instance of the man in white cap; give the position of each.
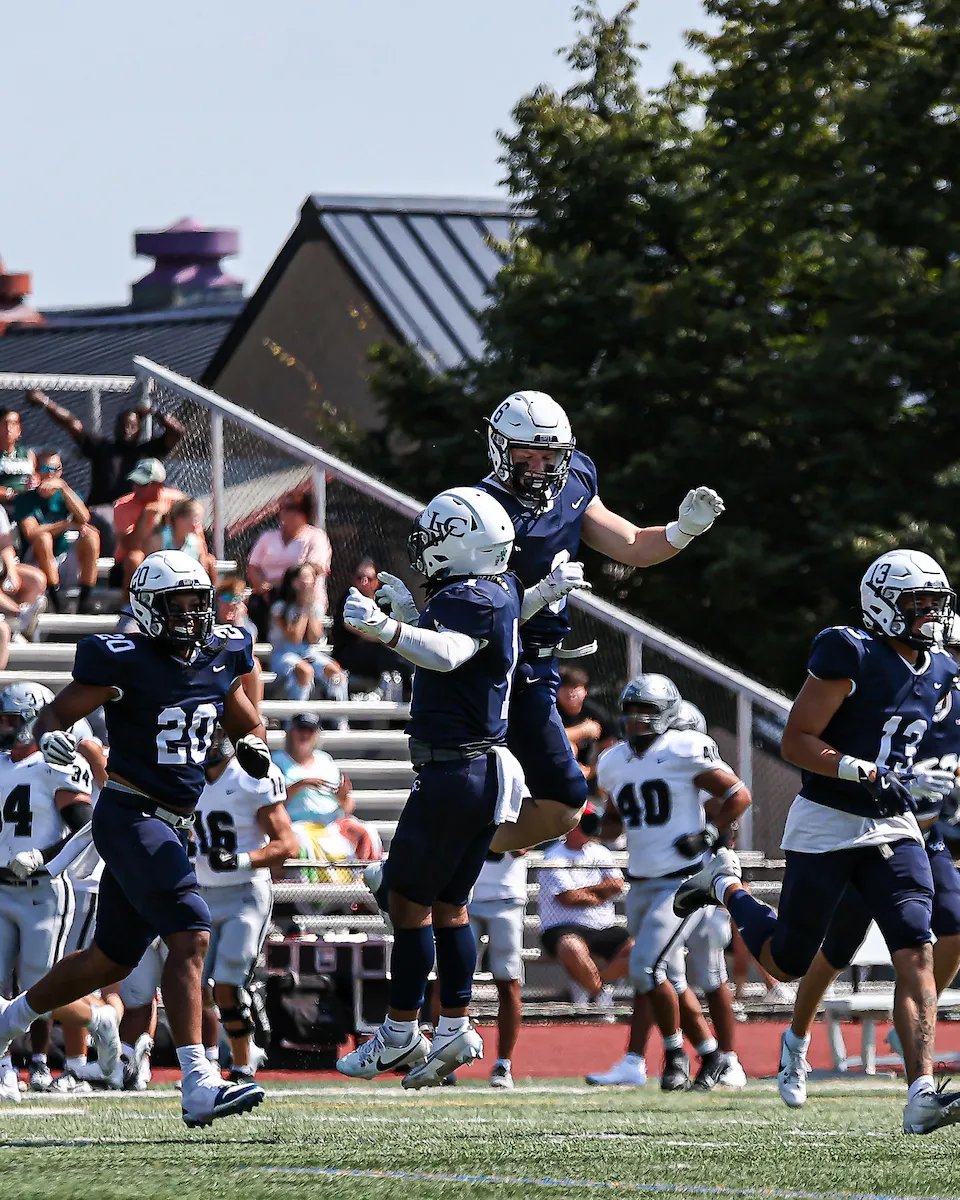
(137, 514)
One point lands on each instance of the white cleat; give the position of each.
(630, 1071)
(781, 993)
(41, 1078)
(377, 1055)
(792, 1076)
(136, 1069)
(697, 891)
(446, 1054)
(204, 1103)
(10, 1085)
(501, 1077)
(931, 1110)
(734, 1076)
(68, 1084)
(109, 1051)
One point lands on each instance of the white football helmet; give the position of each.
(463, 531)
(690, 717)
(530, 420)
(20, 704)
(172, 599)
(657, 692)
(889, 597)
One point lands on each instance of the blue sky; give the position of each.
(232, 111)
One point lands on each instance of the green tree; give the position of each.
(748, 280)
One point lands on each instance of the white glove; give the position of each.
(362, 615)
(397, 599)
(59, 747)
(930, 781)
(565, 577)
(700, 508)
(25, 863)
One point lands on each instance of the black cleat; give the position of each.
(676, 1072)
(712, 1067)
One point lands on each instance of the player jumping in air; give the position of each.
(163, 691)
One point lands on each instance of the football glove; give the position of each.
(929, 781)
(58, 747)
(363, 616)
(253, 755)
(565, 577)
(700, 508)
(395, 598)
(692, 845)
(221, 859)
(24, 864)
(890, 794)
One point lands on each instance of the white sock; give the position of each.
(212, 1053)
(193, 1064)
(398, 1033)
(503, 1062)
(923, 1083)
(722, 884)
(707, 1047)
(795, 1043)
(448, 1026)
(672, 1041)
(74, 1064)
(20, 1016)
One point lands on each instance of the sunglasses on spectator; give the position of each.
(230, 597)
(50, 468)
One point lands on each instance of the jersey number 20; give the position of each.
(651, 807)
(185, 736)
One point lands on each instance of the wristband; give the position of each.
(854, 770)
(676, 537)
(243, 862)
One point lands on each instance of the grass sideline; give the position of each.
(551, 1140)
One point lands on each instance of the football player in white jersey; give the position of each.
(653, 781)
(242, 830)
(41, 806)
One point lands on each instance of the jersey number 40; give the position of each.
(651, 807)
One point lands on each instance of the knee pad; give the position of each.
(237, 1018)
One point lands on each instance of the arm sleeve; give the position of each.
(100, 663)
(436, 649)
(835, 654)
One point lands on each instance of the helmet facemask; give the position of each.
(15, 730)
(535, 487)
(932, 607)
(642, 724)
(181, 618)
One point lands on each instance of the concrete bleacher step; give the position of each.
(52, 656)
(380, 804)
(55, 680)
(351, 743)
(225, 566)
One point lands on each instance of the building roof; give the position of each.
(103, 342)
(426, 262)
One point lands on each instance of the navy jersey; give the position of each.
(542, 536)
(161, 725)
(941, 742)
(468, 706)
(887, 715)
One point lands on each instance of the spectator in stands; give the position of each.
(232, 604)
(18, 464)
(56, 524)
(275, 550)
(22, 587)
(370, 665)
(588, 727)
(112, 460)
(182, 529)
(138, 515)
(296, 634)
(578, 926)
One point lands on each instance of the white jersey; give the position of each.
(86, 869)
(657, 797)
(227, 816)
(28, 808)
(505, 879)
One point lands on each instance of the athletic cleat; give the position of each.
(733, 1074)
(373, 878)
(792, 1076)
(136, 1068)
(69, 1084)
(10, 1085)
(712, 1067)
(106, 1039)
(446, 1054)
(781, 993)
(208, 1103)
(697, 891)
(449, 1080)
(377, 1055)
(240, 1075)
(630, 1071)
(676, 1072)
(500, 1076)
(41, 1078)
(931, 1110)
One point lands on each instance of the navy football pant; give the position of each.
(851, 921)
(444, 831)
(896, 890)
(149, 886)
(536, 736)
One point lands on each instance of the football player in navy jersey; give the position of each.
(935, 779)
(465, 647)
(163, 692)
(869, 699)
(549, 489)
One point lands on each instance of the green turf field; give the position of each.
(547, 1139)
